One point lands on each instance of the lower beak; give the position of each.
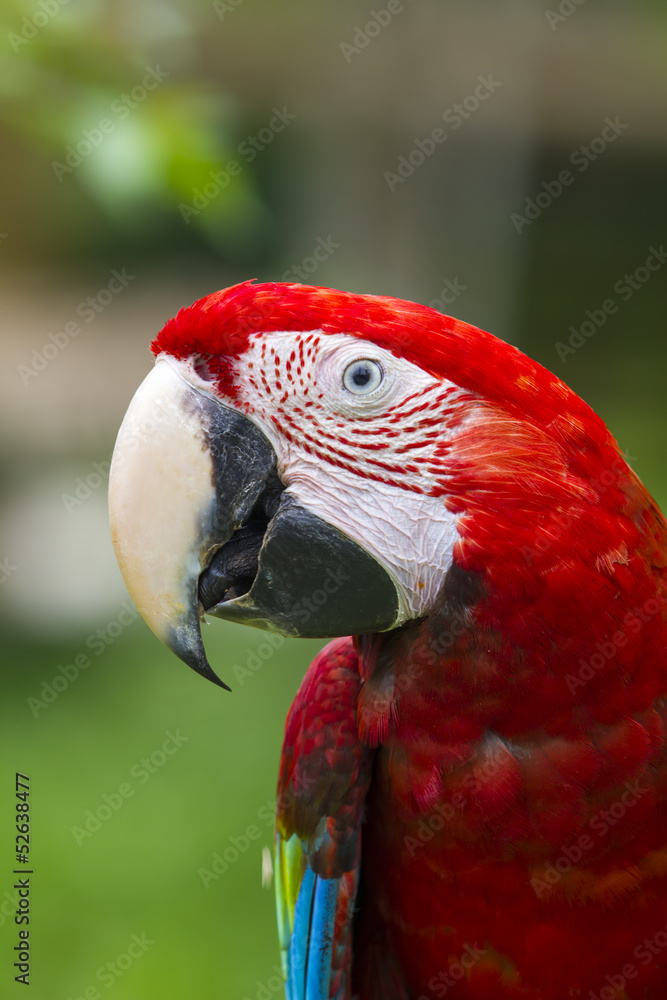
(201, 523)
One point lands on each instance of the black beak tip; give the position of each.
(189, 648)
(207, 671)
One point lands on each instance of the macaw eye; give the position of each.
(362, 377)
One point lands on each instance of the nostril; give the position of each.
(202, 367)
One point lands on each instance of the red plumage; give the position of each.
(514, 842)
(220, 325)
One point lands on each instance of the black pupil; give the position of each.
(362, 375)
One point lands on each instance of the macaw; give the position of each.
(472, 797)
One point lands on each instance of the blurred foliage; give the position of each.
(69, 68)
(138, 873)
(578, 254)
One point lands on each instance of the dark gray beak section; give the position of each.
(308, 579)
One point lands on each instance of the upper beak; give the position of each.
(201, 522)
(185, 474)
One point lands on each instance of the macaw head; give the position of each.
(316, 463)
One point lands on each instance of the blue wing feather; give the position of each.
(299, 944)
(307, 946)
(318, 974)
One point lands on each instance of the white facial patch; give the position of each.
(410, 535)
(363, 462)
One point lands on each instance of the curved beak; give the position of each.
(185, 474)
(202, 523)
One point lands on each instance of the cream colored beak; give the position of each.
(162, 500)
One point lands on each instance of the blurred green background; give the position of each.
(185, 146)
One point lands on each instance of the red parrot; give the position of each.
(472, 791)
